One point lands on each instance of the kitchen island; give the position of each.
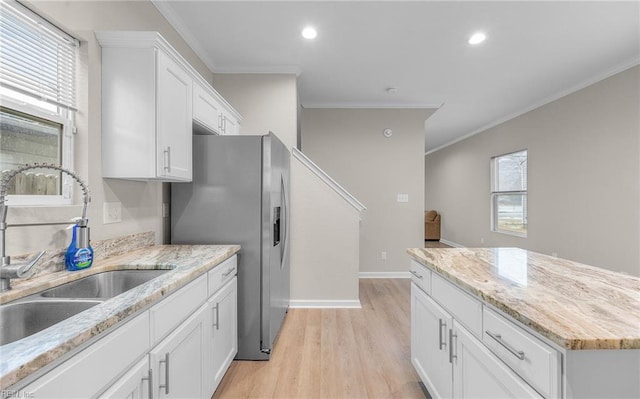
(24, 360)
(539, 326)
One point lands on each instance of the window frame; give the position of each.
(496, 194)
(15, 100)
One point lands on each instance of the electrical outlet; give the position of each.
(383, 255)
(112, 212)
(554, 254)
(403, 197)
(482, 240)
(165, 210)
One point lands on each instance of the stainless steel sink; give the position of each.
(103, 285)
(29, 315)
(21, 319)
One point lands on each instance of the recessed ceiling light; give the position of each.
(309, 33)
(477, 38)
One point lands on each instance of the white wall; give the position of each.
(267, 102)
(348, 144)
(141, 202)
(324, 243)
(584, 177)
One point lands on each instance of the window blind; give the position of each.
(36, 58)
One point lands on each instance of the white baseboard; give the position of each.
(384, 275)
(451, 243)
(324, 303)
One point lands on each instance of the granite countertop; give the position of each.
(21, 358)
(574, 305)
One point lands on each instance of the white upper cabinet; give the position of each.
(151, 101)
(213, 113)
(174, 128)
(230, 124)
(206, 109)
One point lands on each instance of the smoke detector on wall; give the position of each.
(387, 133)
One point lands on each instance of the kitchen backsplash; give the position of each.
(53, 260)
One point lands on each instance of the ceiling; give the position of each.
(535, 52)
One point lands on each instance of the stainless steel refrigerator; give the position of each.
(239, 195)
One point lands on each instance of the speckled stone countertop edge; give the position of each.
(20, 359)
(566, 341)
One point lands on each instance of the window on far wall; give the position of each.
(509, 193)
(37, 104)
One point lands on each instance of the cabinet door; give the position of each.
(174, 119)
(177, 363)
(223, 333)
(206, 109)
(230, 126)
(430, 325)
(135, 384)
(480, 374)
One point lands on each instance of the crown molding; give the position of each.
(278, 69)
(355, 105)
(634, 61)
(167, 12)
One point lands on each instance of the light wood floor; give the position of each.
(337, 353)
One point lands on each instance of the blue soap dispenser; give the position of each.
(79, 254)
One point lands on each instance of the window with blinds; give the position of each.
(37, 104)
(509, 193)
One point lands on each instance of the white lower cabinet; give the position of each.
(477, 373)
(179, 348)
(178, 361)
(87, 372)
(135, 384)
(451, 361)
(223, 333)
(429, 343)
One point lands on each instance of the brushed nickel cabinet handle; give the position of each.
(452, 336)
(441, 343)
(498, 339)
(416, 274)
(149, 379)
(167, 159)
(216, 323)
(166, 374)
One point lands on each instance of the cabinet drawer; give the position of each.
(79, 377)
(421, 276)
(535, 361)
(166, 315)
(464, 308)
(222, 273)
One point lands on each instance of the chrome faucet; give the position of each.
(10, 271)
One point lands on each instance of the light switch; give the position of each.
(403, 197)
